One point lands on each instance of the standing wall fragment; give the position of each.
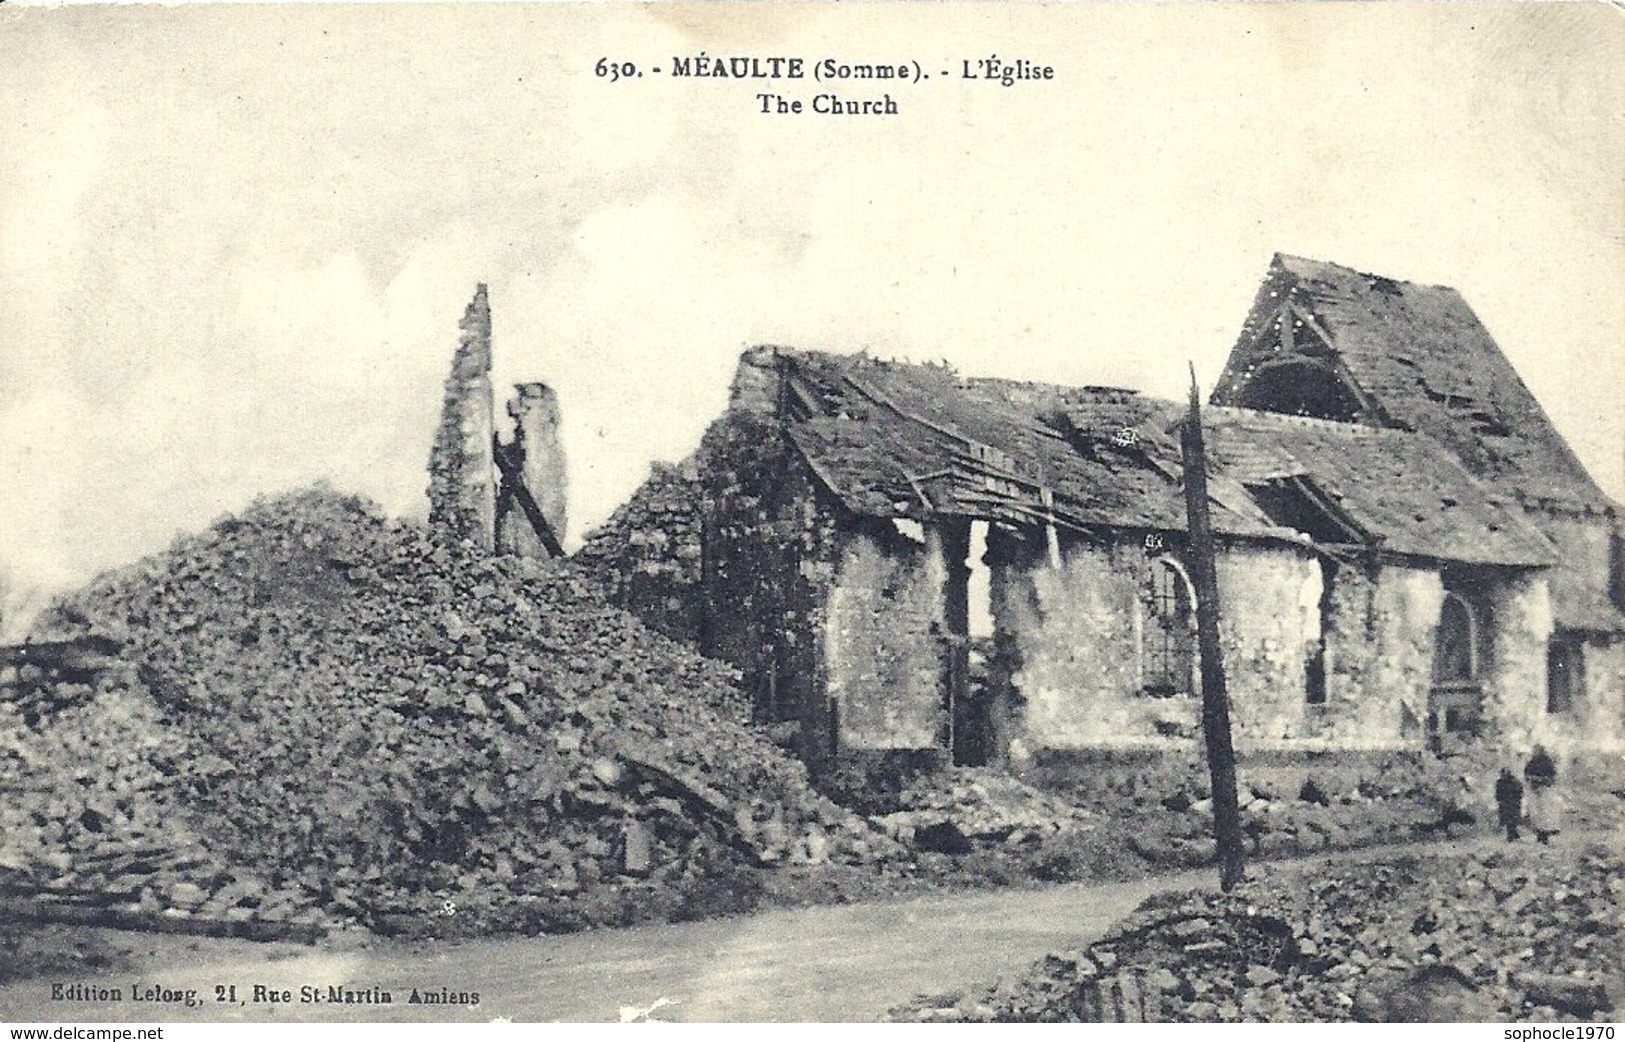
(462, 484)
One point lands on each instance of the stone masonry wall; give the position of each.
(1601, 715)
(1580, 580)
(770, 554)
(1394, 654)
(462, 486)
(648, 555)
(1269, 620)
(1514, 706)
(1072, 637)
(882, 644)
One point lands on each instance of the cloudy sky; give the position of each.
(235, 242)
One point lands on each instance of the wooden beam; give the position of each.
(513, 483)
(1221, 754)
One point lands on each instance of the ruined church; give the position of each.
(904, 561)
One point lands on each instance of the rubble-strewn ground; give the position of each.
(1520, 932)
(1304, 806)
(329, 716)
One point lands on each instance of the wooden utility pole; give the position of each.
(1221, 755)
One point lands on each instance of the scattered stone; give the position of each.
(1261, 976)
(1579, 996)
(1339, 942)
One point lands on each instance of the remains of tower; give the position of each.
(508, 496)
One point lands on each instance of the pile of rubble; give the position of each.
(956, 811)
(1288, 810)
(398, 733)
(1523, 933)
(93, 831)
(980, 826)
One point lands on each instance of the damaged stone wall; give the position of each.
(1070, 639)
(648, 554)
(735, 551)
(1355, 715)
(770, 550)
(1585, 581)
(1380, 650)
(1600, 716)
(1395, 653)
(1072, 646)
(522, 512)
(840, 623)
(1514, 682)
(883, 641)
(538, 450)
(1595, 721)
(462, 482)
(1269, 621)
(1585, 605)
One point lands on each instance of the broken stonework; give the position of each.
(1400, 939)
(912, 566)
(538, 452)
(462, 484)
(648, 554)
(495, 495)
(377, 727)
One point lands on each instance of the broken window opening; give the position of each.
(1455, 647)
(980, 585)
(966, 693)
(1565, 671)
(1314, 691)
(1454, 698)
(1296, 502)
(1301, 386)
(1169, 642)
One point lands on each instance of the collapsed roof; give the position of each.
(1325, 340)
(1395, 489)
(893, 439)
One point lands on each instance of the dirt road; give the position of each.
(847, 963)
(823, 964)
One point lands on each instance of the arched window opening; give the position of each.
(1169, 645)
(1455, 648)
(1314, 692)
(1454, 699)
(1565, 671)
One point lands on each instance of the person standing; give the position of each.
(1509, 802)
(1540, 776)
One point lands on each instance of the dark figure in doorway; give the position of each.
(1540, 774)
(1509, 802)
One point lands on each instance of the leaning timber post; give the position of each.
(1221, 755)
